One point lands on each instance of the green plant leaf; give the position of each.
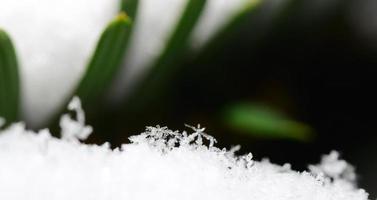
(9, 79)
(165, 66)
(261, 121)
(129, 7)
(178, 41)
(228, 30)
(106, 60)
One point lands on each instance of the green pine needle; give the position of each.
(9, 79)
(263, 122)
(227, 31)
(129, 7)
(165, 66)
(106, 60)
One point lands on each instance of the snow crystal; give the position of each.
(158, 164)
(53, 39)
(334, 168)
(75, 129)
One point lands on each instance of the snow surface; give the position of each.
(53, 39)
(157, 164)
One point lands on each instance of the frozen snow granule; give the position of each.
(74, 129)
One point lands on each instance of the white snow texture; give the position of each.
(158, 164)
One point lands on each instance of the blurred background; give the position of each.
(291, 81)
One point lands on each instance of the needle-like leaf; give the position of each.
(129, 7)
(228, 29)
(106, 60)
(9, 79)
(165, 66)
(264, 122)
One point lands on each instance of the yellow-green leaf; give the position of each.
(129, 7)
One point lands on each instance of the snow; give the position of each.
(53, 39)
(158, 164)
(74, 129)
(334, 168)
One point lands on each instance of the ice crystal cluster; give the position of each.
(157, 164)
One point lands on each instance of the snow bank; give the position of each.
(157, 164)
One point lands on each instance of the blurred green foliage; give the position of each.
(9, 79)
(150, 99)
(265, 122)
(169, 60)
(106, 60)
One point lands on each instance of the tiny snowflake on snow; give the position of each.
(74, 129)
(248, 160)
(199, 134)
(160, 137)
(331, 167)
(165, 139)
